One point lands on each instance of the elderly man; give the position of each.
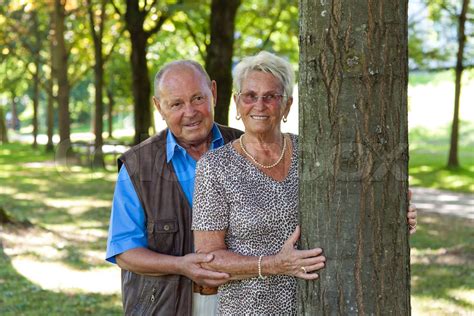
(150, 235)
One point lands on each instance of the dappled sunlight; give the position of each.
(64, 278)
(440, 256)
(77, 206)
(426, 306)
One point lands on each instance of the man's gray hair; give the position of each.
(179, 63)
(269, 63)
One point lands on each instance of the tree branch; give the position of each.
(195, 40)
(107, 56)
(157, 26)
(272, 29)
(116, 8)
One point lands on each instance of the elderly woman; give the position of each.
(246, 198)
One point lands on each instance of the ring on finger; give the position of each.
(304, 269)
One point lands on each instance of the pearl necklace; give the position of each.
(255, 160)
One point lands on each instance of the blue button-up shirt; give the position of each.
(127, 228)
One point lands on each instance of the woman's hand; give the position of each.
(411, 215)
(298, 263)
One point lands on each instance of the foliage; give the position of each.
(433, 26)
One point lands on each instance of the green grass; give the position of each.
(443, 266)
(429, 155)
(69, 207)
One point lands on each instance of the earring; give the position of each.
(285, 119)
(237, 117)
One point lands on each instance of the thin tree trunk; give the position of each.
(220, 52)
(61, 68)
(50, 105)
(110, 96)
(354, 155)
(453, 161)
(15, 121)
(140, 86)
(135, 21)
(35, 103)
(97, 36)
(3, 128)
(36, 76)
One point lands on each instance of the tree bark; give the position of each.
(15, 121)
(453, 161)
(61, 68)
(110, 96)
(36, 76)
(97, 36)
(354, 155)
(135, 20)
(220, 52)
(50, 95)
(3, 128)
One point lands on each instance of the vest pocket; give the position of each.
(157, 297)
(164, 234)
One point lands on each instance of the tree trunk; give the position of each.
(15, 121)
(50, 94)
(97, 36)
(4, 217)
(140, 86)
(220, 52)
(35, 102)
(354, 155)
(453, 161)
(36, 76)
(61, 68)
(110, 96)
(3, 128)
(135, 19)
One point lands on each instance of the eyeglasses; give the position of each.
(251, 98)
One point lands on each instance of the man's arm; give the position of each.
(127, 243)
(147, 262)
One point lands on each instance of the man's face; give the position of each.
(187, 104)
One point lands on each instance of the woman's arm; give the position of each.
(289, 261)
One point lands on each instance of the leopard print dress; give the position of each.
(258, 214)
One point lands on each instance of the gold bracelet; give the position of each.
(260, 276)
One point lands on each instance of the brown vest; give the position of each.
(168, 224)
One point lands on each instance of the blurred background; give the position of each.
(76, 84)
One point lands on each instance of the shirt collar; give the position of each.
(172, 144)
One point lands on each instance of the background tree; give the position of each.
(354, 159)
(61, 54)
(453, 161)
(220, 52)
(138, 26)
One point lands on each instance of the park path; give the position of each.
(444, 202)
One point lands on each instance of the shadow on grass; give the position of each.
(443, 259)
(18, 296)
(436, 282)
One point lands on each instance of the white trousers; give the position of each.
(204, 305)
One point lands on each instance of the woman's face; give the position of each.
(261, 103)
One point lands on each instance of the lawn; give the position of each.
(56, 266)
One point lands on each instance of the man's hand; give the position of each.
(191, 268)
(411, 215)
(299, 263)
